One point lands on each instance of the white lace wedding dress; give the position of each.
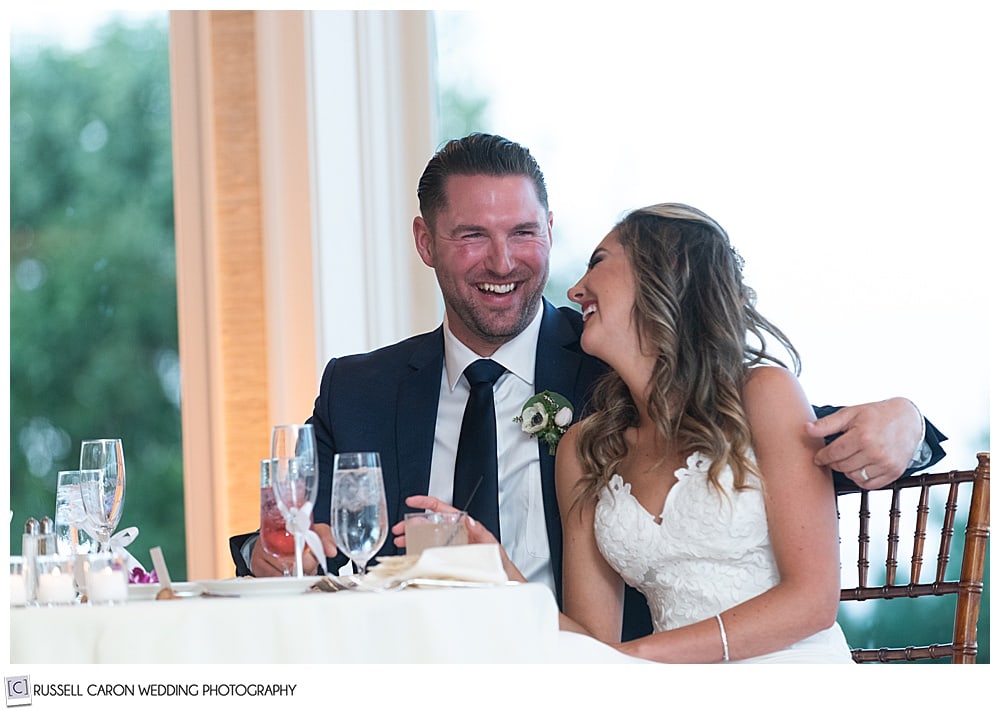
(709, 553)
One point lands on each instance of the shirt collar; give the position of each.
(516, 355)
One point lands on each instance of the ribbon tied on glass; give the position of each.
(295, 482)
(118, 542)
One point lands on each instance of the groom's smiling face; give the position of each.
(489, 247)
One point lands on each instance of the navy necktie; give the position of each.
(476, 485)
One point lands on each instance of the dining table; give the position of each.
(509, 623)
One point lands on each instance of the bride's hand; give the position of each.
(477, 533)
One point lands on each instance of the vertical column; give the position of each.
(222, 319)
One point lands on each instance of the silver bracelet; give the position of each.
(725, 640)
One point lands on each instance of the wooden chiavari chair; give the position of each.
(968, 588)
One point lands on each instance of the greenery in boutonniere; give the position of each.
(547, 416)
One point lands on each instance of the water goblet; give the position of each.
(358, 512)
(72, 537)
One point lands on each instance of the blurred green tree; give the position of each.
(93, 286)
(460, 113)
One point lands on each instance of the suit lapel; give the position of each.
(558, 366)
(416, 418)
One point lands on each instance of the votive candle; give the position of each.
(18, 590)
(106, 584)
(56, 587)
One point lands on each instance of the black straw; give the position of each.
(473, 494)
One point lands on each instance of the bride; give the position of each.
(692, 479)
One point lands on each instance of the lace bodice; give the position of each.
(710, 552)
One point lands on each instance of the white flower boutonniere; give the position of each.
(547, 416)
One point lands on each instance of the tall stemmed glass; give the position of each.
(102, 487)
(275, 538)
(295, 481)
(358, 508)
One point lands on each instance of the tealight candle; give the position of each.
(18, 590)
(55, 588)
(18, 584)
(55, 581)
(105, 583)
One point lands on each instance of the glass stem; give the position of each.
(299, 545)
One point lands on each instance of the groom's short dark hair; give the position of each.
(475, 154)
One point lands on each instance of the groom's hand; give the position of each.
(877, 442)
(477, 533)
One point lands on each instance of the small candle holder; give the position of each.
(55, 580)
(18, 582)
(106, 579)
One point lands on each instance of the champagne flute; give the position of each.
(294, 441)
(358, 508)
(102, 487)
(295, 481)
(295, 484)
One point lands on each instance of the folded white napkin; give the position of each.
(476, 562)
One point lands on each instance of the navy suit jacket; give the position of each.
(386, 401)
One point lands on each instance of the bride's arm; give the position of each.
(802, 522)
(593, 593)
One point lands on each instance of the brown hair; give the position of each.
(475, 154)
(694, 311)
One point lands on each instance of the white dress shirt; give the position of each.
(522, 515)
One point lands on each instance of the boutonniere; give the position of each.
(547, 416)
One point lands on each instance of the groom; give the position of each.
(486, 230)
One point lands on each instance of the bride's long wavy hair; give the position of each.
(694, 312)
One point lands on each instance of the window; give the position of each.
(856, 199)
(93, 285)
(850, 162)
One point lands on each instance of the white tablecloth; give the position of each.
(493, 625)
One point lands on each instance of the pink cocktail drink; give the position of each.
(273, 534)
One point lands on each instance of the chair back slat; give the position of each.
(892, 547)
(919, 533)
(968, 588)
(864, 517)
(947, 531)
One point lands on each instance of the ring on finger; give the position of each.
(864, 474)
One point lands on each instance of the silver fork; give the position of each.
(353, 582)
(335, 583)
(330, 583)
(439, 583)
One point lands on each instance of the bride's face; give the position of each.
(606, 295)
